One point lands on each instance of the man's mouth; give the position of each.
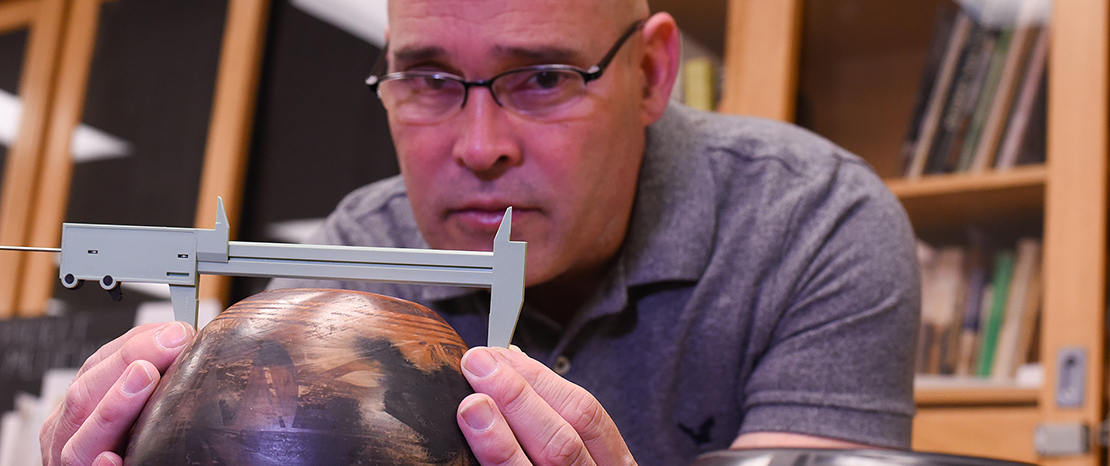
(485, 218)
(481, 218)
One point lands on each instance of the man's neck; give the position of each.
(561, 299)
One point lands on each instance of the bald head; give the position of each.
(625, 10)
(619, 11)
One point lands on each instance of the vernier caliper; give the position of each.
(112, 254)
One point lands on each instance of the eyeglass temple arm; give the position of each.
(379, 66)
(596, 70)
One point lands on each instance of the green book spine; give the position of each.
(983, 106)
(1003, 272)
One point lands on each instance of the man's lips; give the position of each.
(485, 219)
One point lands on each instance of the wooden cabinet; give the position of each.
(852, 67)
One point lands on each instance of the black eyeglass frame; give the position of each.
(593, 73)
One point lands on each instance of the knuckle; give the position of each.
(47, 433)
(111, 349)
(135, 349)
(513, 396)
(564, 448)
(77, 405)
(69, 456)
(104, 418)
(504, 457)
(587, 417)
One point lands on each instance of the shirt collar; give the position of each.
(671, 233)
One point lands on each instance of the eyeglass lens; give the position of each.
(431, 97)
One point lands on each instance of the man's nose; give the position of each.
(486, 144)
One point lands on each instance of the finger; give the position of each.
(114, 346)
(157, 343)
(543, 434)
(577, 406)
(106, 428)
(488, 433)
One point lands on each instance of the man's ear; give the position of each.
(660, 61)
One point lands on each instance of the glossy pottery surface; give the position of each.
(310, 376)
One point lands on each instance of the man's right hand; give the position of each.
(90, 426)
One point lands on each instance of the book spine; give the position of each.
(988, 340)
(698, 78)
(983, 105)
(1025, 105)
(938, 94)
(942, 29)
(999, 109)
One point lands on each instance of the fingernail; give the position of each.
(517, 349)
(106, 459)
(171, 336)
(477, 413)
(479, 362)
(136, 380)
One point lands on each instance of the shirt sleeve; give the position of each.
(839, 359)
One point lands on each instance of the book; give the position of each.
(938, 94)
(1028, 103)
(698, 83)
(942, 293)
(945, 153)
(942, 29)
(1027, 337)
(991, 323)
(977, 270)
(1007, 355)
(953, 288)
(926, 259)
(1017, 51)
(983, 102)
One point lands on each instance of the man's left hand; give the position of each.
(523, 413)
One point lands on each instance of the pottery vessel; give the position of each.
(313, 377)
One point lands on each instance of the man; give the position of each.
(698, 282)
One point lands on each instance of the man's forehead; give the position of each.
(536, 13)
(492, 28)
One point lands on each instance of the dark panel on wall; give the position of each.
(151, 83)
(319, 132)
(12, 47)
(30, 347)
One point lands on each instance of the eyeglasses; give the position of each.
(542, 91)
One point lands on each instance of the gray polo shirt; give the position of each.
(768, 283)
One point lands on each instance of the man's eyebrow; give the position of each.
(537, 55)
(544, 54)
(418, 54)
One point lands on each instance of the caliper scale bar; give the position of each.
(111, 254)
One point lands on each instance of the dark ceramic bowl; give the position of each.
(314, 377)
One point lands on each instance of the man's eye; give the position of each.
(430, 83)
(546, 79)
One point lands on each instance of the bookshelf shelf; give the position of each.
(951, 392)
(1019, 178)
(938, 202)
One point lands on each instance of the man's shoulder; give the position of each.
(747, 139)
(751, 156)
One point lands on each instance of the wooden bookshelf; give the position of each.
(856, 78)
